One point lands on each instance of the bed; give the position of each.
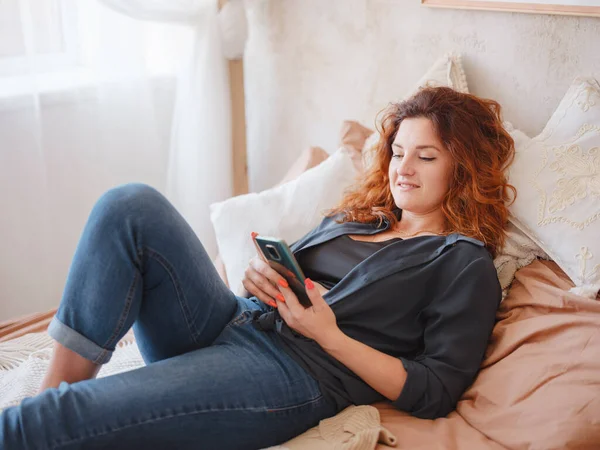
(539, 382)
(537, 388)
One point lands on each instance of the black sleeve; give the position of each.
(458, 324)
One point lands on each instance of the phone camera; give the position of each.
(273, 252)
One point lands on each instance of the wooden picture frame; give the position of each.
(534, 7)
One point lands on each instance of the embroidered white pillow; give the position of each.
(557, 176)
(288, 211)
(447, 71)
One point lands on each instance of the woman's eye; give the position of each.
(398, 156)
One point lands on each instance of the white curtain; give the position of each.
(91, 98)
(200, 163)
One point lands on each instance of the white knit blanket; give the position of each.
(25, 360)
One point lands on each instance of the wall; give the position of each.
(311, 64)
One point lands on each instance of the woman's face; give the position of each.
(420, 168)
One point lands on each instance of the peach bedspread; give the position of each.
(539, 387)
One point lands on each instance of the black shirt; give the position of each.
(329, 262)
(429, 301)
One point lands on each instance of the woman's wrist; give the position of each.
(331, 339)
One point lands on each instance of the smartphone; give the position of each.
(278, 255)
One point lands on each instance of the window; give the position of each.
(37, 36)
(61, 45)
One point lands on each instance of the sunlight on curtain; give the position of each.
(91, 98)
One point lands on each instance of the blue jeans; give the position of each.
(212, 380)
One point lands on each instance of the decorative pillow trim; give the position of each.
(456, 72)
(585, 100)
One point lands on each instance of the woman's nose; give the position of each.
(406, 167)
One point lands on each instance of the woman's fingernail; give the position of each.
(254, 234)
(281, 298)
(283, 283)
(308, 283)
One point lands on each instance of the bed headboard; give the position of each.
(310, 64)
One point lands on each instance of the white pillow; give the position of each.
(288, 211)
(447, 71)
(557, 176)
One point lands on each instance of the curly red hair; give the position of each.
(476, 205)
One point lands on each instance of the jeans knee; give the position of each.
(126, 200)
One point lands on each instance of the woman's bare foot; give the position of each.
(66, 365)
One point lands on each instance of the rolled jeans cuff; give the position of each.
(78, 343)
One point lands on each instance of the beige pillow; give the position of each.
(353, 136)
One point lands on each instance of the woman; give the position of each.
(404, 299)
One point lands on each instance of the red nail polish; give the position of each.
(254, 234)
(308, 283)
(281, 298)
(283, 283)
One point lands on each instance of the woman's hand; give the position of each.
(261, 281)
(317, 322)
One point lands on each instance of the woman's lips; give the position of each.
(407, 186)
